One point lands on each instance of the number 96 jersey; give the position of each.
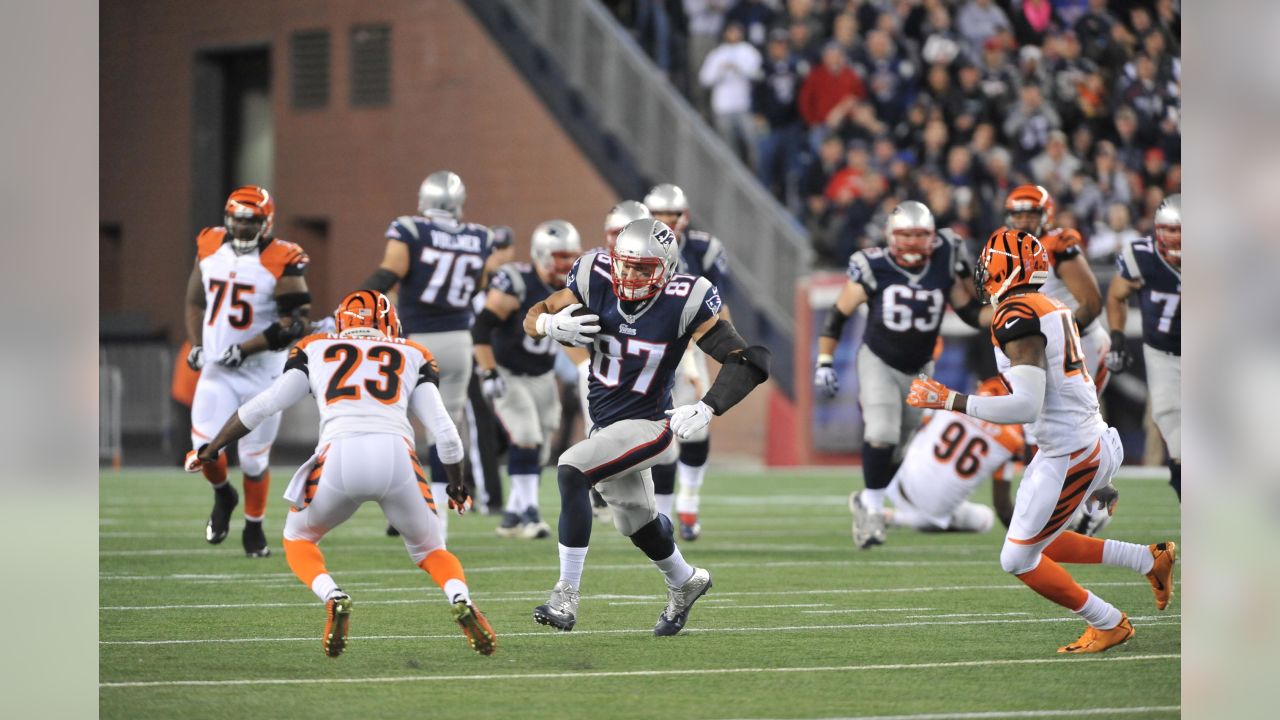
(635, 354)
(362, 384)
(905, 308)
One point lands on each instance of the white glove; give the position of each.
(687, 420)
(492, 385)
(232, 357)
(563, 327)
(195, 358)
(825, 378)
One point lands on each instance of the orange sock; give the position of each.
(1052, 581)
(255, 495)
(1072, 547)
(216, 473)
(305, 560)
(443, 566)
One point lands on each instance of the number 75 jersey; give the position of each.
(446, 260)
(362, 385)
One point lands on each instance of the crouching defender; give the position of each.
(639, 318)
(364, 377)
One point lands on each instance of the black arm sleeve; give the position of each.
(286, 303)
(381, 280)
(482, 329)
(279, 337)
(834, 325)
(969, 313)
(741, 373)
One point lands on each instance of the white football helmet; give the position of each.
(618, 217)
(643, 259)
(442, 190)
(911, 234)
(668, 203)
(1168, 222)
(555, 246)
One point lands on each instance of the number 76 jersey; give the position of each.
(362, 384)
(446, 260)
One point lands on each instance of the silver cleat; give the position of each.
(868, 524)
(679, 601)
(561, 610)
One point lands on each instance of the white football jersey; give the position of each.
(950, 455)
(1061, 244)
(1069, 419)
(240, 289)
(362, 385)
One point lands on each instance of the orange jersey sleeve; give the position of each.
(281, 257)
(209, 240)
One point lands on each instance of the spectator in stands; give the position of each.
(1169, 21)
(942, 44)
(846, 184)
(818, 173)
(887, 75)
(706, 17)
(1149, 98)
(1094, 29)
(804, 12)
(844, 32)
(1085, 199)
(773, 101)
(978, 20)
(883, 152)
(1155, 171)
(994, 188)
(1125, 139)
(1054, 167)
(829, 92)
(802, 46)
(960, 169)
(1070, 11)
(932, 151)
(1110, 175)
(999, 82)
(1110, 236)
(729, 71)
(1029, 123)
(755, 17)
(1031, 21)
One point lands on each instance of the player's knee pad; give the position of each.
(972, 517)
(1017, 559)
(656, 538)
(664, 479)
(523, 460)
(694, 453)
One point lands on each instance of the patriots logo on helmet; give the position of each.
(663, 234)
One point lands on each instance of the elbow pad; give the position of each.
(1023, 404)
(381, 280)
(482, 330)
(741, 373)
(969, 313)
(834, 325)
(721, 340)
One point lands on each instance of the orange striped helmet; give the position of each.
(1009, 259)
(1029, 199)
(248, 213)
(367, 309)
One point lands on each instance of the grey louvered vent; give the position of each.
(370, 65)
(309, 68)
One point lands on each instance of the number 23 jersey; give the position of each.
(362, 385)
(905, 308)
(635, 356)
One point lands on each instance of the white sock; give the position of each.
(690, 478)
(1099, 613)
(515, 498)
(874, 499)
(571, 561)
(323, 585)
(455, 590)
(665, 504)
(439, 492)
(528, 485)
(675, 569)
(1126, 554)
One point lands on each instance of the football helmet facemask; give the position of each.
(248, 215)
(1009, 259)
(643, 259)
(555, 246)
(367, 313)
(911, 235)
(1168, 222)
(1029, 208)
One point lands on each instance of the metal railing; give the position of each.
(110, 428)
(670, 142)
(146, 372)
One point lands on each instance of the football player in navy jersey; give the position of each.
(438, 261)
(1153, 269)
(906, 288)
(518, 372)
(701, 255)
(637, 317)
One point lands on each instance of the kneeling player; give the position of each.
(639, 321)
(947, 459)
(364, 377)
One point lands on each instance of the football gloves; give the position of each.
(564, 328)
(459, 500)
(825, 378)
(492, 386)
(195, 357)
(195, 460)
(1119, 359)
(233, 357)
(930, 394)
(687, 420)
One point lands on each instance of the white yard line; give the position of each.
(684, 672)
(1149, 620)
(983, 715)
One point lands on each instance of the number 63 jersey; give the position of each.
(905, 308)
(362, 384)
(635, 354)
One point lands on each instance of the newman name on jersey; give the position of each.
(635, 354)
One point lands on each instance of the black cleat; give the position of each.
(225, 500)
(254, 540)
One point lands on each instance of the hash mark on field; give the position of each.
(632, 673)
(632, 631)
(733, 607)
(1018, 713)
(953, 615)
(864, 610)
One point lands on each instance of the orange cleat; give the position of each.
(338, 620)
(1095, 641)
(475, 626)
(1164, 555)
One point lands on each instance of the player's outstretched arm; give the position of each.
(1026, 380)
(972, 311)
(1083, 286)
(1118, 360)
(427, 405)
(287, 389)
(395, 265)
(852, 296)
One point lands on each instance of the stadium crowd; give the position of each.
(846, 107)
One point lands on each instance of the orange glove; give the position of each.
(930, 394)
(193, 463)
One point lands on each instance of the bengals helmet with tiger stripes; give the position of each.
(248, 214)
(1029, 199)
(1009, 259)
(364, 311)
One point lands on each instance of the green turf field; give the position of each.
(798, 625)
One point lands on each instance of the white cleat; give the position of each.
(868, 524)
